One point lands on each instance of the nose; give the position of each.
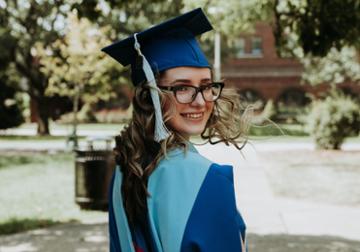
(199, 100)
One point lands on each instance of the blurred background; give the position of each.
(295, 62)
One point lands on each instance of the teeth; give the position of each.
(193, 115)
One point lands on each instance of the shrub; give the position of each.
(333, 119)
(84, 115)
(10, 112)
(113, 115)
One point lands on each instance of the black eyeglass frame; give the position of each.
(197, 90)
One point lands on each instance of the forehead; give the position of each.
(194, 74)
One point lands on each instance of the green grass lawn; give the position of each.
(272, 129)
(37, 189)
(84, 126)
(35, 137)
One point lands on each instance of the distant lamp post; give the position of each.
(74, 137)
(216, 11)
(217, 57)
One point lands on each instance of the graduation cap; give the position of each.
(161, 47)
(167, 45)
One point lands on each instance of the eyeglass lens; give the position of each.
(186, 94)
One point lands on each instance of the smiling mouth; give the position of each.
(193, 115)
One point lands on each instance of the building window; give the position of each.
(248, 47)
(240, 47)
(256, 46)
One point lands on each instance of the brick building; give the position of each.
(259, 73)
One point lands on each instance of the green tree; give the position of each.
(75, 63)
(28, 23)
(127, 17)
(323, 35)
(317, 25)
(77, 68)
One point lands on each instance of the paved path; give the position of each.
(61, 238)
(267, 143)
(94, 238)
(255, 146)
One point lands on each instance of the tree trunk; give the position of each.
(43, 125)
(42, 107)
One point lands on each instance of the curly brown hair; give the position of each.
(138, 154)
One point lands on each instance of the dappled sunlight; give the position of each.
(60, 238)
(23, 247)
(329, 177)
(95, 238)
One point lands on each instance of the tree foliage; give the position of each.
(323, 35)
(27, 24)
(128, 17)
(337, 67)
(233, 17)
(319, 25)
(75, 63)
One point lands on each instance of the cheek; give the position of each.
(172, 110)
(180, 107)
(210, 107)
(169, 107)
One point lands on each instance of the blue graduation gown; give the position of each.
(191, 208)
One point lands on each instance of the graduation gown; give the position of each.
(191, 208)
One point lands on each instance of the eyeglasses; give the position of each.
(187, 93)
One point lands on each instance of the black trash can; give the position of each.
(94, 167)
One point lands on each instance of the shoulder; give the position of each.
(218, 188)
(222, 171)
(179, 173)
(178, 156)
(179, 162)
(191, 165)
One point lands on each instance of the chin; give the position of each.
(187, 127)
(192, 131)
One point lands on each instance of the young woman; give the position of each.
(165, 196)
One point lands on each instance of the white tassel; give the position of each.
(161, 132)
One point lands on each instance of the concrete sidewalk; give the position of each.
(94, 238)
(61, 145)
(62, 238)
(251, 149)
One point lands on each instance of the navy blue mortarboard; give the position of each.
(167, 45)
(161, 47)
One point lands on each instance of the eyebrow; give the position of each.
(189, 81)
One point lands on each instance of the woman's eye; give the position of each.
(182, 88)
(207, 87)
